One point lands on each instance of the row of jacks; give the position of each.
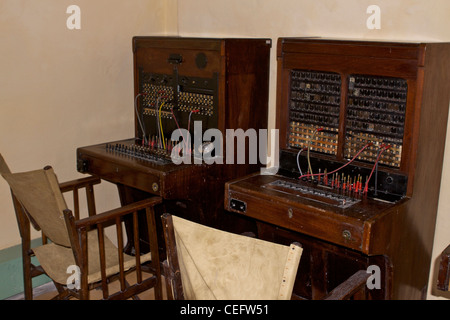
(346, 183)
(156, 144)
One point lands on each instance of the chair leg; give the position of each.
(84, 293)
(158, 288)
(27, 279)
(27, 283)
(168, 277)
(153, 240)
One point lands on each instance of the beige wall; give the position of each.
(61, 89)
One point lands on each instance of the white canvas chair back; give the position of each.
(219, 265)
(38, 192)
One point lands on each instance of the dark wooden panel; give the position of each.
(355, 48)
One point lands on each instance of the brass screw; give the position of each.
(346, 234)
(290, 213)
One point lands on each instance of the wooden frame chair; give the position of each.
(205, 263)
(80, 243)
(444, 270)
(175, 267)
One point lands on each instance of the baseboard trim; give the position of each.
(42, 289)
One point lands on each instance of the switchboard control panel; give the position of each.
(348, 118)
(314, 110)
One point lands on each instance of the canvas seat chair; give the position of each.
(79, 256)
(204, 263)
(217, 265)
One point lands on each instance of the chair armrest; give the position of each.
(78, 183)
(444, 270)
(74, 186)
(349, 287)
(78, 234)
(118, 212)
